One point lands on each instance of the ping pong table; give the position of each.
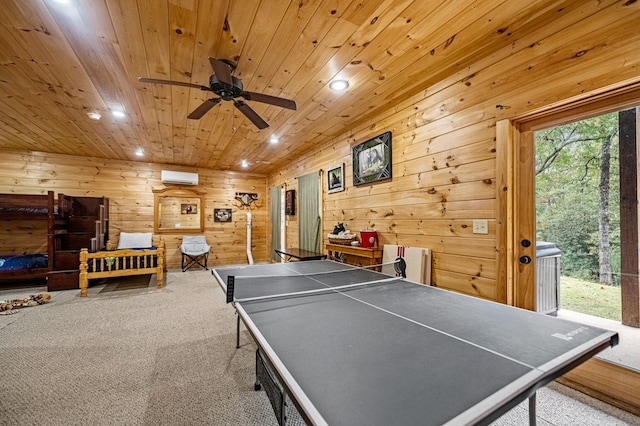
(356, 347)
(292, 253)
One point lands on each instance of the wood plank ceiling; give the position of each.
(60, 61)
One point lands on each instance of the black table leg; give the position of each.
(532, 410)
(237, 330)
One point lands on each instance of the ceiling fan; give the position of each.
(228, 88)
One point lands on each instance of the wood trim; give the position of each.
(505, 256)
(611, 383)
(569, 110)
(523, 208)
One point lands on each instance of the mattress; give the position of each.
(21, 262)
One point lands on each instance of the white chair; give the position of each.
(195, 251)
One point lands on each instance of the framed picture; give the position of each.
(290, 202)
(335, 179)
(372, 160)
(190, 208)
(222, 215)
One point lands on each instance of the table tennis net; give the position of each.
(243, 288)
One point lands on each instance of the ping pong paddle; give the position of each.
(400, 266)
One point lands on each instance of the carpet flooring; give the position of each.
(133, 354)
(145, 356)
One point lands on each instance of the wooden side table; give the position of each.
(369, 256)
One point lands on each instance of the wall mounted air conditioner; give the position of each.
(179, 178)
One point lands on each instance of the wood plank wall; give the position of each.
(129, 187)
(444, 150)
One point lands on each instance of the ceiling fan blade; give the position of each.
(268, 99)
(251, 114)
(172, 82)
(203, 108)
(222, 71)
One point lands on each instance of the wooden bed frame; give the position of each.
(118, 259)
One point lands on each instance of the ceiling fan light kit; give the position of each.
(228, 88)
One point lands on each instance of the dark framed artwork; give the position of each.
(335, 179)
(222, 215)
(190, 208)
(290, 202)
(372, 160)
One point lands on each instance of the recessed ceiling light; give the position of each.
(94, 115)
(274, 139)
(339, 85)
(139, 152)
(245, 163)
(62, 1)
(118, 114)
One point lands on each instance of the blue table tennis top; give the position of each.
(398, 352)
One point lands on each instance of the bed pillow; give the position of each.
(133, 240)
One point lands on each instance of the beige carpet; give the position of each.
(149, 356)
(141, 356)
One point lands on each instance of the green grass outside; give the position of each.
(590, 298)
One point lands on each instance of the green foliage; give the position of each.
(567, 193)
(569, 223)
(590, 298)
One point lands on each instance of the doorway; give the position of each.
(579, 210)
(516, 231)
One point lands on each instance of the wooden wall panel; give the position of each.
(129, 188)
(444, 150)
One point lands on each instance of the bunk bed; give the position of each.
(131, 257)
(85, 225)
(30, 207)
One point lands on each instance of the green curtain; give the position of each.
(308, 216)
(275, 209)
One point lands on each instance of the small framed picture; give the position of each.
(189, 208)
(335, 179)
(290, 202)
(222, 215)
